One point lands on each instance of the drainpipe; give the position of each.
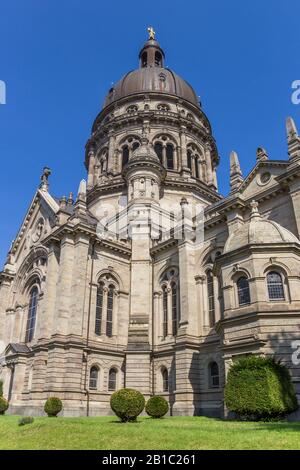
(152, 332)
(86, 388)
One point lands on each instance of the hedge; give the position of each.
(260, 388)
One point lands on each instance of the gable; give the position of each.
(38, 222)
(262, 177)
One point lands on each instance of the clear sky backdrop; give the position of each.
(60, 57)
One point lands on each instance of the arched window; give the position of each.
(99, 306)
(135, 146)
(31, 318)
(165, 379)
(165, 312)
(94, 374)
(243, 291)
(110, 307)
(213, 371)
(170, 302)
(112, 380)
(211, 297)
(170, 155)
(125, 155)
(158, 59)
(275, 286)
(189, 159)
(174, 309)
(144, 59)
(196, 168)
(159, 151)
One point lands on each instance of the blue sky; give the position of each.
(58, 58)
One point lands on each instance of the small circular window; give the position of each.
(265, 177)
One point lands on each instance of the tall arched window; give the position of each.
(158, 58)
(31, 318)
(165, 379)
(105, 305)
(110, 307)
(196, 168)
(99, 306)
(211, 297)
(94, 374)
(174, 309)
(125, 155)
(159, 151)
(112, 380)
(165, 311)
(213, 371)
(189, 159)
(144, 59)
(135, 146)
(275, 286)
(170, 156)
(170, 302)
(243, 291)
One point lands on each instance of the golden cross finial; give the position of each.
(151, 32)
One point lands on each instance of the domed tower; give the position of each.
(152, 103)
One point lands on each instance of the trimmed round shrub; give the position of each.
(127, 404)
(1, 388)
(157, 407)
(53, 406)
(3, 405)
(25, 420)
(260, 388)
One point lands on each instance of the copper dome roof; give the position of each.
(152, 77)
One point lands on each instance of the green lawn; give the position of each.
(168, 433)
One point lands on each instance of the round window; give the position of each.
(265, 177)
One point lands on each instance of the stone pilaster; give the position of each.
(79, 283)
(64, 286)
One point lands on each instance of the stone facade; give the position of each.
(151, 279)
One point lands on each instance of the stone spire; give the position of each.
(293, 140)
(261, 154)
(236, 177)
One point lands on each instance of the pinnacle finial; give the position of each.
(291, 128)
(261, 154)
(82, 190)
(254, 208)
(236, 177)
(151, 32)
(44, 185)
(293, 140)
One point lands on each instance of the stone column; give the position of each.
(111, 152)
(157, 321)
(185, 171)
(170, 320)
(193, 166)
(4, 302)
(90, 179)
(104, 311)
(208, 164)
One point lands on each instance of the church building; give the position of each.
(151, 279)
